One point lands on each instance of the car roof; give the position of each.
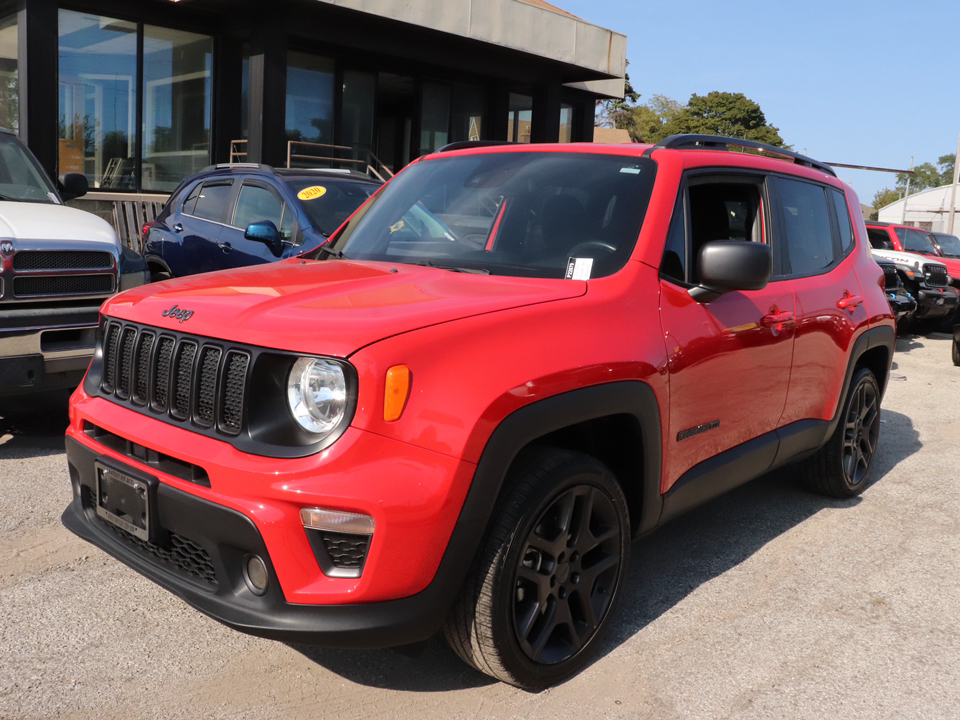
(682, 142)
(260, 168)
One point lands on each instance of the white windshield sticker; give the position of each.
(579, 268)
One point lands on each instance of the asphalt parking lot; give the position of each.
(767, 603)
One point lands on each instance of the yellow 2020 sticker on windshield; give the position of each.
(312, 193)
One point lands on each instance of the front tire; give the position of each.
(841, 468)
(955, 350)
(543, 587)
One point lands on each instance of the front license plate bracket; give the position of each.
(127, 500)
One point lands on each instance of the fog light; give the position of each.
(255, 574)
(340, 540)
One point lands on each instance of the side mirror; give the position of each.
(727, 265)
(72, 185)
(267, 233)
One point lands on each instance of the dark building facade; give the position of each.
(138, 95)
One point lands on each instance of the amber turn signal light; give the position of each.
(396, 392)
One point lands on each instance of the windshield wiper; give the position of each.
(451, 268)
(338, 254)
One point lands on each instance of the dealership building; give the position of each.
(138, 95)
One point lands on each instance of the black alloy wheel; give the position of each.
(841, 468)
(545, 582)
(861, 432)
(567, 571)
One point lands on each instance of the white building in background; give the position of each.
(928, 209)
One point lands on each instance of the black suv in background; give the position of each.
(237, 214)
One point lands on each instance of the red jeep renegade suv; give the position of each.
(457, 414)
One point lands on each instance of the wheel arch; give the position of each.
(617, 423)
(155, 262)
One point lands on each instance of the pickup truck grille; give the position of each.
(935, 275)
(43, 275)
(62, 260)
(32, 286)
(188, 379)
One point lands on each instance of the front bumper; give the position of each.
(45, 349)
(901, 303)
(211, 531)
(935, 302)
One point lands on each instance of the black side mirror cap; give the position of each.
(267, 233)
(72, 185)
(728, 265)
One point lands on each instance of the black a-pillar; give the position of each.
(37, 52)
(268, 90)
(546, 113)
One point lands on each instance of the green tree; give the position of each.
(945, 163)
(615, 111)
(723, 113)
(925, 176)
(883, 198)
(648, 122)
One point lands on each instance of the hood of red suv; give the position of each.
(326, 307)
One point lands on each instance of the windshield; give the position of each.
(20, 176)
(328, 202)
(543, 214)
(917, 241)
(949, 244)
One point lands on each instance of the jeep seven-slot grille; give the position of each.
(935, 275)
(190, 379)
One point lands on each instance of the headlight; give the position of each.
(317, 394)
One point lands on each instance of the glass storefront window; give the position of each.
(356, 122)
(466, 116)
(9, 88)
(434, 117)
(98, 91)
(177, 72)
(566, 123)
(309, 111)
(521, 118)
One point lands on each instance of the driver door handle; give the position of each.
(225, 246)
(178, 228)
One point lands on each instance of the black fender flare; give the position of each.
(517, 431)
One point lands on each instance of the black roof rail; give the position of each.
(467, 144)
(719, 142)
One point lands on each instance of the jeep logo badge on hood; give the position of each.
(177, 313)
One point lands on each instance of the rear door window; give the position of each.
(807, 228)
(209, 201)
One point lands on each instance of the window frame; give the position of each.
(715, 176)
(781, 266)
(285, 207)
(230, 202)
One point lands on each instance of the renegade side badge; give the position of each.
(684, 434)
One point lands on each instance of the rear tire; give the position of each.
(955, 350)
(542, 589)
(841, 468)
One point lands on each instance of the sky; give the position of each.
(844, 81)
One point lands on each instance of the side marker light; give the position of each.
(396, 392)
